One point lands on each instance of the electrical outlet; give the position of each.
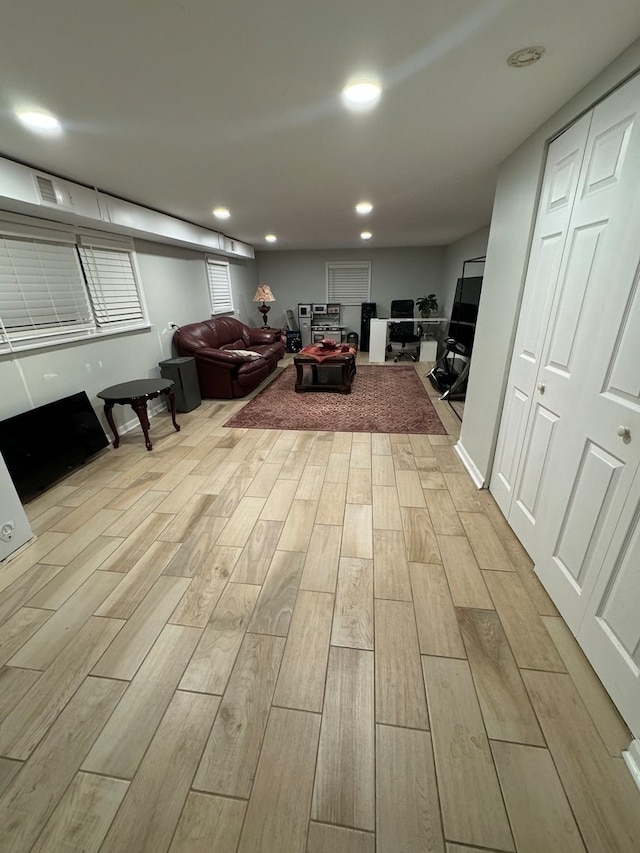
(7, 530)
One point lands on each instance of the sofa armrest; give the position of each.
(263, 336)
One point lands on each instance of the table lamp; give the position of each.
(263, 294)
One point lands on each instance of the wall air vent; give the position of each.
(52, 193)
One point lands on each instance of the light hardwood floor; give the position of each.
(294, 642)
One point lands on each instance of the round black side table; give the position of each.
(135, 394)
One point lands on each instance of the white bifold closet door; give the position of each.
(568, 455)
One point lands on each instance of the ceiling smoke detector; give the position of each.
(525, 56)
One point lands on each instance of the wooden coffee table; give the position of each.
(136, 393)
(332, 374)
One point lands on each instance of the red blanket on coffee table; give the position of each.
(323, 353)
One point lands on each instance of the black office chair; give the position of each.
(404, 338)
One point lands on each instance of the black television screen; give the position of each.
(464, 312)
(41, 445)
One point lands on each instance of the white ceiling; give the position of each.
(190, 104)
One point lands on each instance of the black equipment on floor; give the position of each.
(352, 339)
(367, 313)
(450, 372)
(182, 371)
(294, 341)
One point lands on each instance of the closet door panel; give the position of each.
(592, 288)
(575, 501)
(581, 525)
(557, 197)
(610, 629)
(514, 422)
(581, 255)
(535, 461)
(591, 370)
(622, 381)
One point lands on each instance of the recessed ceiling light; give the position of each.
(361, 95)
(364, 207)
(221, 213)
(39, 121)
(270, 238)
(366, 235)
(525, 56)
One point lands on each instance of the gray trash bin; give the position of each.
(185, 382)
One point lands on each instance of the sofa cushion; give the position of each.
(247, 354)
(239, 344)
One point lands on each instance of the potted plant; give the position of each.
(427, 304)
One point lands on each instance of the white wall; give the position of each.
(509, 240)
(11, 512)
(300, 276)
(174, 284)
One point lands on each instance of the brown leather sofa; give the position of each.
(222, 372)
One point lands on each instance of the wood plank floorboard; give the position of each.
(473, 811)
(231, 755)
(400, 699)
(124, 740)
(209, 825)
(83, 816)
(407, 809)
(344, 791)
(353, 617)
(278, 811)
(282, 641)
(154, 800)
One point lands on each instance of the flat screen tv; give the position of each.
(41, 445)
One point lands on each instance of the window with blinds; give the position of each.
(42, 292)
(348, 283)
(111, 282)
(219, 287)
(58, 285)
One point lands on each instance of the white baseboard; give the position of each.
(632, 760)
(469, 464)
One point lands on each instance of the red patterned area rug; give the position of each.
(382, 399)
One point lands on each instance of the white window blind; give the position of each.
(219, 287)
(112, 285)
(348, 283)
(42, 293)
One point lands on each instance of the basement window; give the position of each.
(219, 281)
(348, 282)
(56, 287)
(111, 281)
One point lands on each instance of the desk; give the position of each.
(136, 393)
(379, 334)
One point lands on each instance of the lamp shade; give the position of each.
(263, 294)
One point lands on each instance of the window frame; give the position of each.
(211, 261)
(96, 290)
(43, 232)
(356, 299)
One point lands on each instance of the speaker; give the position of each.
(185, 381)
(367, 311)
(294, 341)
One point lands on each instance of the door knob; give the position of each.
(624, 432)
(541, 387)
